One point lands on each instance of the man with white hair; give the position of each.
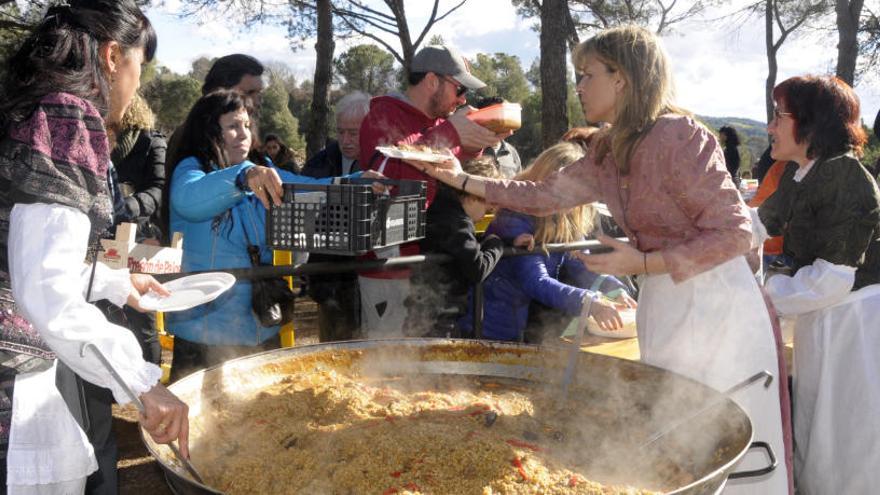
(340, 157)
(337, 294)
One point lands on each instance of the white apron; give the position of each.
(837, 397)
(715, 328)
(48, 452)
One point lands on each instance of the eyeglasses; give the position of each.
(460, 89)
(779, 114)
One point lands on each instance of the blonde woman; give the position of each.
(517, 282)
(663, 177)
(138, 155)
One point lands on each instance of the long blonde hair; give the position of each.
(565, 226)
(637, 55)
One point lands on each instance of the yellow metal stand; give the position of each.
(483, 224)
(285, 258)
(166, 341)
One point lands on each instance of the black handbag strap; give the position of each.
(252, 249)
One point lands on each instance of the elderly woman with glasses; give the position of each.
(827, 207)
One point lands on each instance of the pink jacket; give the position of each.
(678, 197)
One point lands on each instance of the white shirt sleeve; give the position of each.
(47, 246)
(759, 231)
(112, 285)
(812, 288)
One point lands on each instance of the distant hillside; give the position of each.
(753, 136)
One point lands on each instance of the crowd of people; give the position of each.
(79, 154)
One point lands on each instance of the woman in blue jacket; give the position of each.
(218, 201)
(558, 280)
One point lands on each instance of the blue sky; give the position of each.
(719, 69)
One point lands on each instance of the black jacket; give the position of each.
(321, 288)
(141, 175)
(731, 158)
(438, 294)
(877, 125)
(763, 166)
(833, 214)
(327, 162)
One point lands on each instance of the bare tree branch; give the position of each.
(374, 38)
(429, 24)
(348, 15)
(376, 13)
(453, 9)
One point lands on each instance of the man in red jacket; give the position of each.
(426, 114)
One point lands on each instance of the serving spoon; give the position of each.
(574, 348)
(140, 405)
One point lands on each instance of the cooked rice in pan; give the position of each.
(329, 433)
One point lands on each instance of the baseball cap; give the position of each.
(446, 61)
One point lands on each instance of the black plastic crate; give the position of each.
(347, 218)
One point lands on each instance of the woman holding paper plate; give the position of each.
(662, 175)
(78, 68)
(218, 201)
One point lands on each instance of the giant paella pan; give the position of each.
(448, 416)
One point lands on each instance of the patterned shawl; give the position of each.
(59, 155)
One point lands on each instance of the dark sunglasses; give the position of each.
(460, 89)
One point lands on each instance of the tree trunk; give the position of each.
(771, 58)
(554, 94)
(320, 109)
(848, 14)
(406, 44)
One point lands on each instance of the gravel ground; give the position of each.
(139, 473)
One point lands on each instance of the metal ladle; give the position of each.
(575, 348)
(140, 405)
(718, 399)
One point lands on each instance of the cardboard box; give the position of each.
(124, 252)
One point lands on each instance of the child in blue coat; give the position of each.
(556, 280)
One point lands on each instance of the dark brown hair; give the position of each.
(202, 137)
(228, 71)
(61, 54)
(826, 113)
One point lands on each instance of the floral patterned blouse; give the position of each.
(678, 198)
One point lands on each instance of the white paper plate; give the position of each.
(422, 156)
(189, 292)
(627, 332)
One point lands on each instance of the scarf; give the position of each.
(58, 155)
(124, 144)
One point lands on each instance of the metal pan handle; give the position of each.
(758, 472)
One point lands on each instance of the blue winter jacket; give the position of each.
(517, 281)
(215, 240)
